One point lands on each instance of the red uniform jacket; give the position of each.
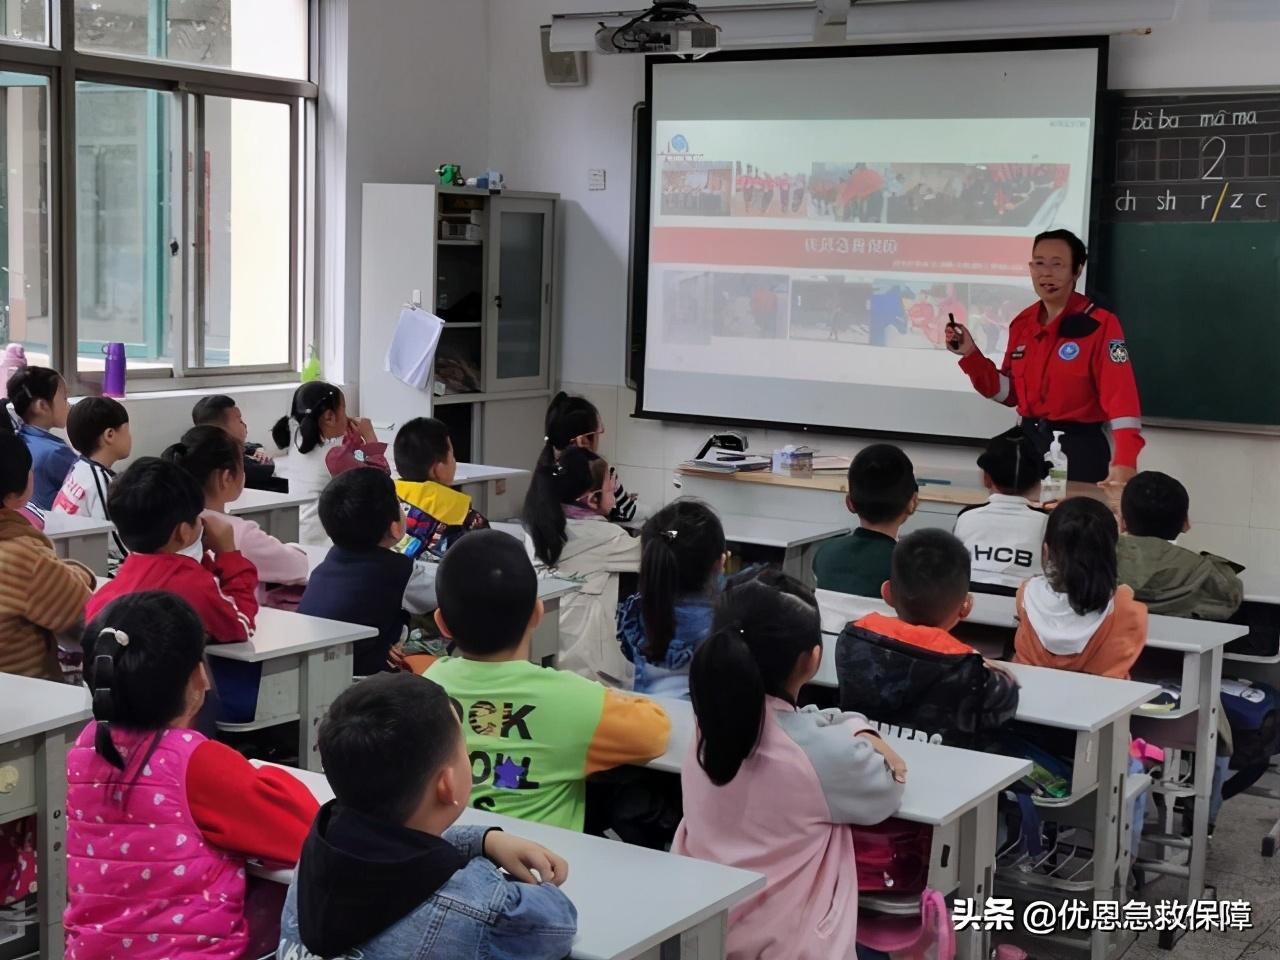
(222, 590)
(1075, 368)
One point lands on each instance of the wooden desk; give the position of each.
(632, 902)
(80, 538)
(954, 791)
(306, 662)
(276, 513)
(38, 719)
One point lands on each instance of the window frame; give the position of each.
(64, 66)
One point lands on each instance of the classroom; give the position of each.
(782, 479)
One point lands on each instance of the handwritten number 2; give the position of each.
(1206, 150)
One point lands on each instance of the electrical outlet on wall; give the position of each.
(595, 179)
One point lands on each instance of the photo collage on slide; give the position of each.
(837, 308)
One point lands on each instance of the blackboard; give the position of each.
(1188, 236)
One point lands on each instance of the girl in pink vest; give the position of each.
(160, 820)
(773, 788)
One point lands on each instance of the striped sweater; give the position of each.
(40, 595)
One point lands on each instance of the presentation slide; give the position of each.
(814, 222)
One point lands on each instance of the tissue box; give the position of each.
(793, 461)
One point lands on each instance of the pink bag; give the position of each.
(930, 936)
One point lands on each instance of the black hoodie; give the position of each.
(358, 876)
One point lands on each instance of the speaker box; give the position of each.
(562, 69)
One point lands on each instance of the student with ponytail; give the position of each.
(681, 564)
(774, 788)
(1074, 617)
(161, 821)
(322, 442)
(39, 398)
(575, 422)
(566, 523)
(216, 459)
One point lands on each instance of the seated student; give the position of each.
(39, 398)
(362, 580)
(575, 422)
(156, 507)
(98, 428)
(554, 728)
(773, 788)
(566, 520)
(1171, 580)
(681, 565)
(910, 672)
(40, 595)
(1074, 617)
(1006, 536)
(215, 458)
(323, 443)
(220, 410)
(387, 873)
(161, 821)
(883, 493)
(435, 514)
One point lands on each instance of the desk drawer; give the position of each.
(17, 778)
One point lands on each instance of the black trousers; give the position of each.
(1085, 444)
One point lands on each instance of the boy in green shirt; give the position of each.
(534, 734)
(884, 494)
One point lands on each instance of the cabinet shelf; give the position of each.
(460, 243)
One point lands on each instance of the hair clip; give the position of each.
(558, 470)
(120, 636)
(670, 535)
(306, 412)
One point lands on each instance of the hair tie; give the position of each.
(670, 535)
(558, 469)
(119, 636)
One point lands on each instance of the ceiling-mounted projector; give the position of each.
(669, 26)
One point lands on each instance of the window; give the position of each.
(168, 141)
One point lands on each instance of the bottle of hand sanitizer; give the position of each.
(1055, 485)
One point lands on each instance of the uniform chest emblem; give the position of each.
(1069, 350)
(1019, 352)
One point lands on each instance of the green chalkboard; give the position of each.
(1189, 253)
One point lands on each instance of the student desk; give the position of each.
(1197, 645)
(276, 513)
(470, 474)
(306, 662)
(80, 538)
(632, 902)
(38, 719)
(797, 539)
(953, 791)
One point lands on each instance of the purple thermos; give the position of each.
(113, 379)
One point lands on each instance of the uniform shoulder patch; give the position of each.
(1076, 326)
(1118, 351)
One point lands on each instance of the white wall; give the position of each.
(547, 139)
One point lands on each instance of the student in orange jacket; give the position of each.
(1074, 617)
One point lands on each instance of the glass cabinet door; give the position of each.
(520, 258)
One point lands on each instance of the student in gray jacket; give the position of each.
(385, 874)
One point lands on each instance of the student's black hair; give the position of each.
(15, 460)
(310, 402)
(420, 444)
(90, 418)
(488, 590)
(764, 623)
(31, 384)
(882, 482)
(1155, 504)
(383, 739)
(681, 545)
(139, 653)
(1079, 252)
(577, 473)
(149, 500)
(1080, 540)
(1013, 462)
(929, 574)
(212, 410)
(568, 417)
(358, 507)
(205, 450)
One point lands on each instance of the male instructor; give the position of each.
(1066, 368)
